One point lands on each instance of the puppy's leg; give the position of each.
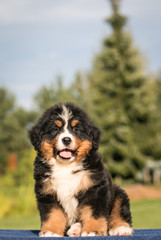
(92, 226)
(120, 217)
(74, 230)
(55, 224)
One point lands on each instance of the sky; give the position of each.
(41, 39)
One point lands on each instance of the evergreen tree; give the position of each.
(55, 93)
(123, 103)
(76, 92)
(80, 91)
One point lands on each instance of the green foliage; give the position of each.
(17, 188)
(24, 173)
(124, 101)
(55, 93)
(18, 200)
(7, 101)
(13, 129)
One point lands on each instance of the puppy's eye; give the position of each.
(76, 130)
(55, 129)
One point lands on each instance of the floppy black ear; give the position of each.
(36, 133)
(35, 136)
(96, 135)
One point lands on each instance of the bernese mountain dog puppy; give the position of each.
(74, 191)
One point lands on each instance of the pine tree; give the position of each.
(123, 103)
(57, 92)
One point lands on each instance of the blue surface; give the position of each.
(33, 234)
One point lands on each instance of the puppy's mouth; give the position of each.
(66, 153)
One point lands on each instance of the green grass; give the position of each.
(145, 213)
(22, 222)
(17, 200)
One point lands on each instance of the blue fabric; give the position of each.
(146, 234)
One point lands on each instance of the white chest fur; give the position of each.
(66, 185)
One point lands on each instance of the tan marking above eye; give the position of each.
(74, 123)
(58, 123)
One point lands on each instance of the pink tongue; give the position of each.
(65, 154)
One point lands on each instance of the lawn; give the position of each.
(22, 222)
(146, 214)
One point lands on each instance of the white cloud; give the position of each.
(11, 9)
(29, 11)
(31, 56)
(143, 9)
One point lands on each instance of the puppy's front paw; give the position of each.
(74, 230)
(92, 234)
(48, 234)
(85, 234)
(123, 230)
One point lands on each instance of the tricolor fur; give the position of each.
(74, 192)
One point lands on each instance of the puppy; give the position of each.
(74, 191)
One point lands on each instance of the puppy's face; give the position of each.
(65, 133)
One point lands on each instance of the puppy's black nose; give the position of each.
(66, 140)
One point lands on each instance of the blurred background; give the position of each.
(104, 56)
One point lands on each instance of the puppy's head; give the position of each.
(65, 133)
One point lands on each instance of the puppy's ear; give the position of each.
(35, 136)
(95, 134)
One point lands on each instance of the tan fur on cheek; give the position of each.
(91, 224)
(47, 148)
(83, 149)
(56, 222)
